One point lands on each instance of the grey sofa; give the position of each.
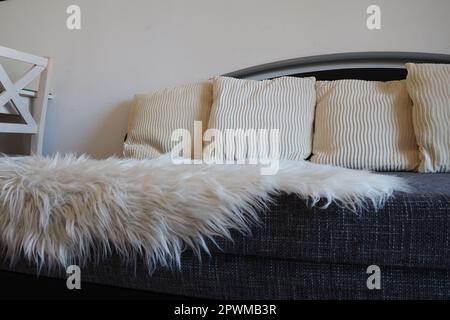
(300, 252)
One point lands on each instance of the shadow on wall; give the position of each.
(109, 135)
(12, 143)
(116, 122)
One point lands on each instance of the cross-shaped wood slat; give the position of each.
(33, 122)
(11, 93)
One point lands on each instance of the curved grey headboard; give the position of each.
(357, 65)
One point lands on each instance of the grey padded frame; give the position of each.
(354, 60)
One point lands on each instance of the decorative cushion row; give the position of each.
(387, 126)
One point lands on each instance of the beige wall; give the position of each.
(133, 46)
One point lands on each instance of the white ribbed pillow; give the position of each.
(285, 103)
(154, 117)
(429, 88)
(364, 125)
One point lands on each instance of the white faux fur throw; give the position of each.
(66, 210)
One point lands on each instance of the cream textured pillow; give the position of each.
(285, 103)
(155, 116)
(364, 125)
(429, 88)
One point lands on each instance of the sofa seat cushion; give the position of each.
(412, 230)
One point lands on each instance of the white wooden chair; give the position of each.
(34, 119)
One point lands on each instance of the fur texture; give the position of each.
(67, 209)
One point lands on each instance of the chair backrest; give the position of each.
(32, 121)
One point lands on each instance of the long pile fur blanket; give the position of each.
(67, 210)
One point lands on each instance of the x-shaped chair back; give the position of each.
(33, 122)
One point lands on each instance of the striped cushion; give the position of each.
(155, 116)
(364, 125)
(429, 88)
(286, 104)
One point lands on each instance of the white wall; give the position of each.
(133, 46)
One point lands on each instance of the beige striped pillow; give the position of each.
(364, 125)
(155, 116)
(285, 103)
(429, 88)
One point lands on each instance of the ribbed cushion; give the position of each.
(155, 116)
(364, 125)
(285, 103)
(429, 88)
